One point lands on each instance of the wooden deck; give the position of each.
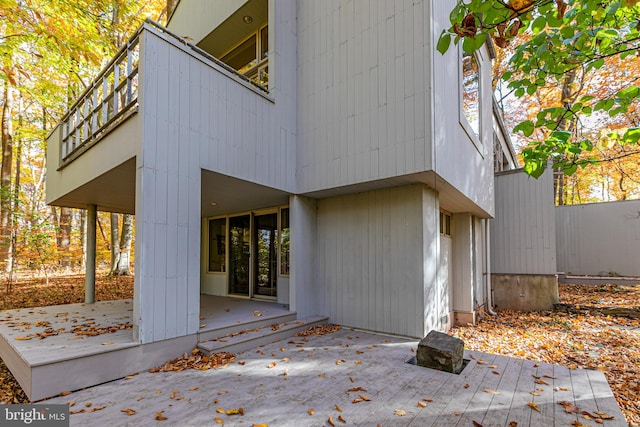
(96, 343)
(281, 384)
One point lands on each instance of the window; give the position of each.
(217, 244)
(471, 95)
(445, 224)
(284, 241)
(251, 56)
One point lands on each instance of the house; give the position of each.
(318, 154)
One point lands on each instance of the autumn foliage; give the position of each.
(584, 337)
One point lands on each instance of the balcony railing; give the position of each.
(113, 95)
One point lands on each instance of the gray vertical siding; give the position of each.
(362, 91)
(523, 233)
(196, 116)
(599, 239)
(376, 261)
(464, 162)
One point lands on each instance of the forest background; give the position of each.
(52, 50)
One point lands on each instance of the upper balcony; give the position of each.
(92, 152)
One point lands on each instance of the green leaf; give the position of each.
(562, 136)
(629, 92)
(468, 45)
(569, 169)
(534, 168)
(527, 127)
(444, 42)
(538, 24)
(632, 136)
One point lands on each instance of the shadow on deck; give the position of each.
(69, 347)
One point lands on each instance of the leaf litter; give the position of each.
(588, 336)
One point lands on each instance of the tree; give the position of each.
(566, 40)
(45, 66)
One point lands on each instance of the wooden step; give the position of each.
(207, 334)
(252, 338)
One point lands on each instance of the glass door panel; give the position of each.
(239, 254)
(266, 260)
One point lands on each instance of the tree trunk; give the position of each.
(5, 175)
(568, 97)
(64, 230)
(121, 250)
(115, 243)
(126, 237)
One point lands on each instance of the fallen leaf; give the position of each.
(533, 406)
(365, 398)
(550, 377)
(426, 399)
(476, 424)
(495, 372)
(578, 424)
(541, 382)
(311, 412)
(65, 393)
(218, 420)
(400, 412)
(561, 388)
(604, 415)
(352, 379)
(272, 365)
(195, 387)
(422, 404)
(129, 377)
(259, 425)
(330, 422)
(535, 393)
(338, 408)
(357, 362)
(467, 386)
(235, 411)
(341, 419)
(128, 411)
(352, 389)
(160, 416)
(488, 390)
(220, 410)
(513, 424)
(568, 406)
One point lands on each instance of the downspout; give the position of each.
(487, 267)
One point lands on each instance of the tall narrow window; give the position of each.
(471, 93)
(217, 244)
(284, 241)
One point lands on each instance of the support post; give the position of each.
(90, 269)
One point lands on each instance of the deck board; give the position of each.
(315, 381)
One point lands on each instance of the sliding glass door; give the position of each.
(265, 268)
(239, 254)
(253, 255)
